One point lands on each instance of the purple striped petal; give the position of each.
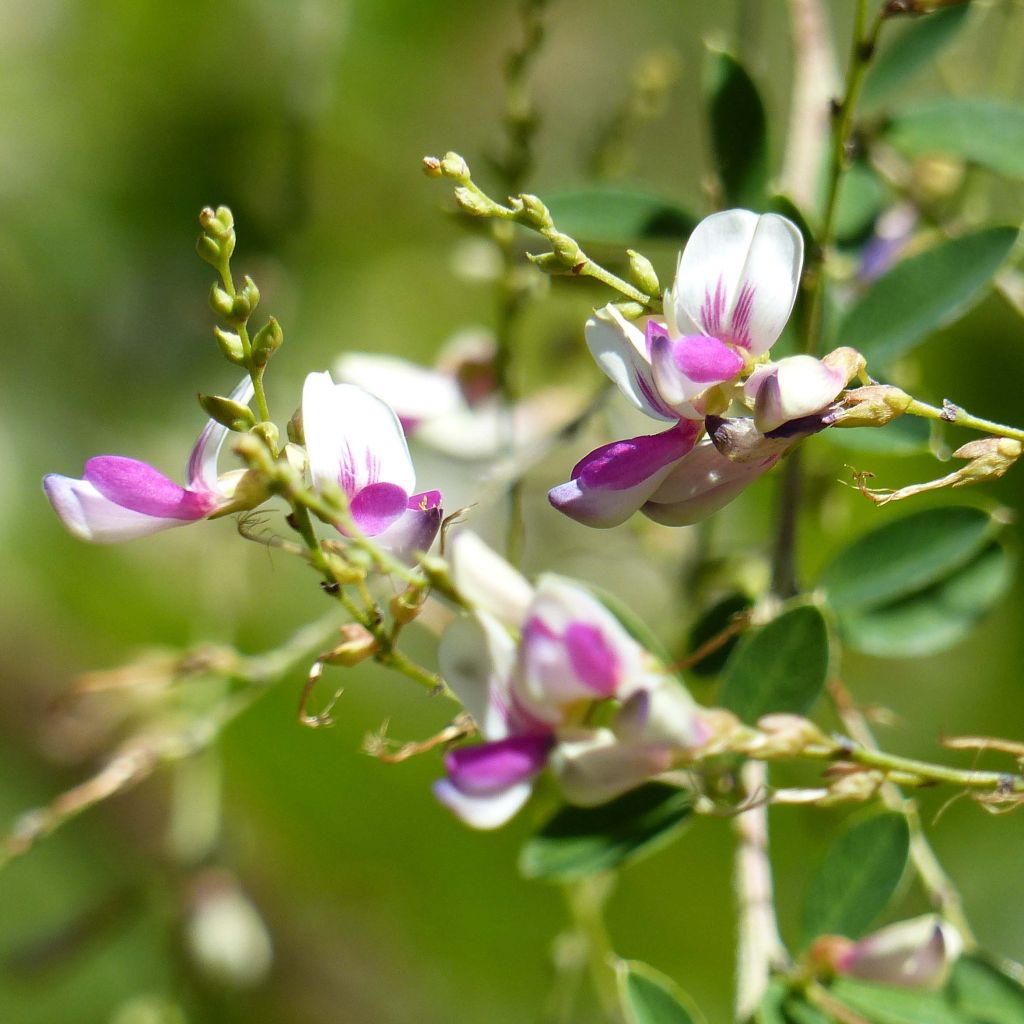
(492, 767)
(706, 360)
(613, 481)
(138, 487)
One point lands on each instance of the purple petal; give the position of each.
(593, 658)
(415, 529)
(613, 481)
(492, 767)
(706, 360)
(377, 506)
(139, 487)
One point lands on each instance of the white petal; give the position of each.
(662, 715)
(913, 954)
(476, 655)
(593, 767)
(92, 517)
(620, 349)
(790, 389)
(352, 438)
(483, 812)
(414, 392)
(201, 471)
(738, 277)
(487, 581)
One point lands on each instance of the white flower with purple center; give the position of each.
(118, 498)
(528, 665)
(355, 444)
(735, 286)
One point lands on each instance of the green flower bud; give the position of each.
(228, 412)
(268, 432)
(294, 428)
(267, 341)
(358, 644)
(872, 406)
(208, 250)
(472, 202)
(432, 167)
(220, 301)
(534, 212)
(642, 273)
(453, 166)
(566, 249)
(230, 345)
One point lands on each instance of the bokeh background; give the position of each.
(119, 119)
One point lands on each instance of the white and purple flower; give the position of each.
(735, 286)
(118, 498)
(528, 665)
(355, 444)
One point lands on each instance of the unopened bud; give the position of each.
(230, 345)
(990, 458)
(209, 250)
(226, 411)
(872, 406)
(642, 273)
(343, 571)
(217, 223)
(247, 489)
(220, 301)
(296, 458)
(472, 202)
(788, 735)
(847, 361)
(268, 433)
(856, 786)
(534, 212)
(566, 249)
(357, 644)
(453, 166)
(267, 341)
(408, 604)
(432, 167)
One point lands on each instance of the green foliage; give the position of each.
(884, 1004)
(983, 992)
(918, 584)
(617, 216)
(908, 435)
(982, 131)
(923, 293)
(909, 53)
(738, 128)
(580, 841)
(780, 1005)
(781, 667)
(648, 997)
(858, 877)
(862, 199)
(711, 624)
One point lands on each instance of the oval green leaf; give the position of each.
(738, 128)
(580, 841)
(982, 131)
(910, 52)
(781, 667)
(712, 624)
(858, 877)
(862, 199)
(983, 992)
(924, 293)
(649, 997)
(882, 1004)
(615, 216)
(934, 618)
(905, 556)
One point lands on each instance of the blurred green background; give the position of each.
(119, 119)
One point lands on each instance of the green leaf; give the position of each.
(713, 622)
(982, 131)
(905, 555)
(648, 997)
(934, 618)
(910, 52)
(908, 435)
(862, 199)
(781, 1005)
(987, 995)
(617, 216)
(857, 878)
(923, 293)
(739, 130)
(781, 667)
(580, 841)
(882, 1004)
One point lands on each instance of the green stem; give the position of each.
(861, 52)
(950, 413)
(586, 899)
(255, 373)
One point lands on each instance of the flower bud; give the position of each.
(432, 167)
(472, 202)
(268, 433)
(245, 489)
(408, 604)
(534, 212)
(357, 644)
(787, 735)
(566, 249)
(229, 413)
(294, 428)
(872, 406)
(267, 341)
(218, 224)
(343, 571)
(230, 345)
(990, 458)
(847, 361)
(220, 301)
(642, 273)
(208, 250)
(453, 166)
